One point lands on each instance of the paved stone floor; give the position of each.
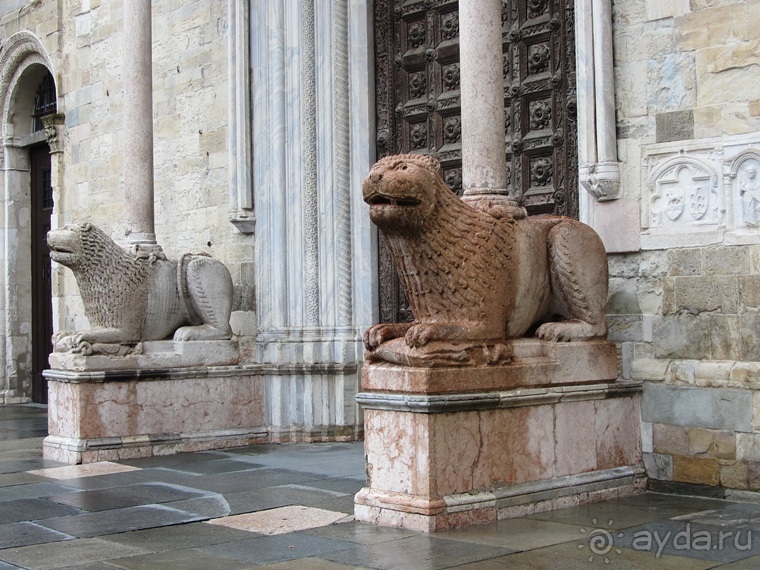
(289, 507)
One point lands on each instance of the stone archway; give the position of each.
(24, 62)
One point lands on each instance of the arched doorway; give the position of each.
(27, 103)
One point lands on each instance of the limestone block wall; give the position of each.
(684, 304)
(29, 42)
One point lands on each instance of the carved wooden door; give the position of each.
(42, 309)
(419, 107)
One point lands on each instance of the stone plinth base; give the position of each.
(152, 355)
(116, 414)
(439, 460)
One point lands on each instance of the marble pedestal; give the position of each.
(450, 447)
(106, 408)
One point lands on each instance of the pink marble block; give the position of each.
(129, 417)
(445, 461)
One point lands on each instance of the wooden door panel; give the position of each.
(42, 310)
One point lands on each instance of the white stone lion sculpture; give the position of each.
(130, 298)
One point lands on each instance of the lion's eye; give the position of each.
(404, 167)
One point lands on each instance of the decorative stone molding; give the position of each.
(241, 213)
(599, 171)
(702, 192)
(54, 127)
(17, 53)
(601, 180)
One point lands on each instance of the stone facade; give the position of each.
(308, 338)
(683, 233)
(684, 309)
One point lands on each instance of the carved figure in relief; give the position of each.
(749, 189)
(130, 298)
(473, 279)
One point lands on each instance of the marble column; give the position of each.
(138, 123)
(484, 169)
(314, 249)
(600, 169)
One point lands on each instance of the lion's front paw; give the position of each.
(376, 335)
(566, 331)
(419, 335)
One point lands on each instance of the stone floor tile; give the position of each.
(284, 495)
(26, 465)
(210, 507)
(86, 470)
(91, 566)
(671, 505)
(690, 539)
(608, 514)
(311, 564)
(32, 491)
(517, 534)
(33, 510)
(123, 479)
(362, 533)
(751, 563)
(256, 479)
(70, 553)
(25, 434)
(341, 484)
(280, 521)
(280, 548)
(421, 552)
(187, 559)
(26, 533)
(128, 496)
(118, 520)
(568, 556)
(185, 462)
(329, 459)
(730, 516)
(210, 465)
(192, 535)
(23, 478)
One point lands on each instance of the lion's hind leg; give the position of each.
(209, 295)
(578, 269)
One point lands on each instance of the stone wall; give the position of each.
(685, 310)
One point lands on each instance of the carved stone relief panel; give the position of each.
(702, 193)
(685, 194)
(743, 182)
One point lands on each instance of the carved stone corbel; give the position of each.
(53, 124)
(601, 180)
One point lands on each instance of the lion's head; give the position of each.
(403, 191)
(66, 244)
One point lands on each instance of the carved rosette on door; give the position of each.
(419, 105)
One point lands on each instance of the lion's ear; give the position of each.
(432, 164)
(87, 226)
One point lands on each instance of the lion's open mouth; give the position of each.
(380, 200)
